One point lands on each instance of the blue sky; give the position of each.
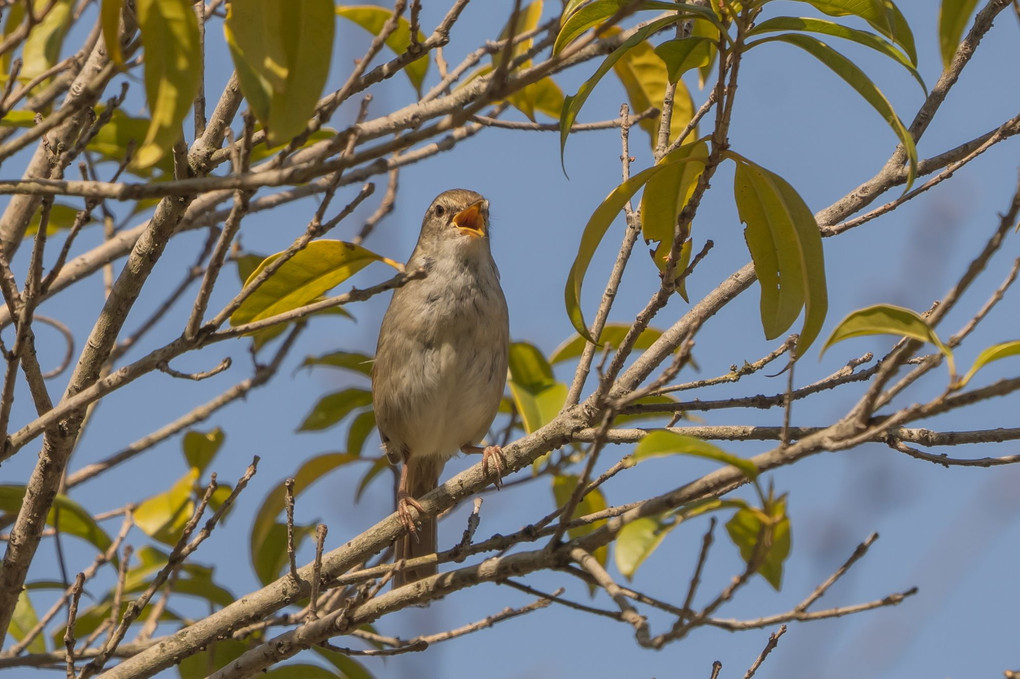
(954, 533)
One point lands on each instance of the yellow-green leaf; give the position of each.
(992, 353)
(526, 21)
(684, 54)
(644, 76)
(42, 46)
(361, 426)
(346, 360)
(109, 19)
(823, 27)
(381, 463)
(348, 667)
(19, 119)
(121, 133)
(212, 657)
(882, 15)
(66, 515)
(786, 247)
(333, 408)
(318, 268)
(593, 233)
(612, 333)
(533, 387)
(576, 19)
(201, 446)
(23, 620)
(164, 515)
(572, 104)
(282, 51)
(747, 527)
(636, 542)
(886, 319)
(60, 217)
(595, 501)
(265, 528)
(372, 19)
(663, 199)
(173, 71)
(953, 18)
(856, 78)
(303, 670)
(544, 96)
(662, 442)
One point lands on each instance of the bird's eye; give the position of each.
(440, 211)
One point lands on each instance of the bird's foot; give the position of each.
(404, 503)
(490, 455)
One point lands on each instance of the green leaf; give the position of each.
(348, 667)
(662, 442)
(786, 247)
(840, 31)
(992, 353)
(200, 447)
(334, 407)
(882, 15)
(747, 527)
(164, 515)
(644, 77)
(664, 198)
(303, 670)
(612, 333)
(109, 20)
(593, 233)
(857, 79)
(318, 268)
(212, 657)
(953, 18)
(683, 54)
(23, 620)
(173, 72)
(346, 360)
(886, 319)
(595, 501)
(271, 556)
(281, 51)
(372, 20)
(533, 387)
(645, 400)
(308, 473)
(66, 515)
(572, 104)
(636, 542)
(381, 463)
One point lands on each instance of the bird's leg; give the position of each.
(406, 500)
(493, 454)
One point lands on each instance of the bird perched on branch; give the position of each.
(441, 362)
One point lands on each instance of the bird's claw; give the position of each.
(404, 502)
(495, 455)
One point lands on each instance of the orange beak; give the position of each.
(471, 220)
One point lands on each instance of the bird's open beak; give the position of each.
(471, 220)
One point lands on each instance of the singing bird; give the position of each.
(441, 361)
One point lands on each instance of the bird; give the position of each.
(441, 363)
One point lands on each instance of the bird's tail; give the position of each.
(422, 476)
